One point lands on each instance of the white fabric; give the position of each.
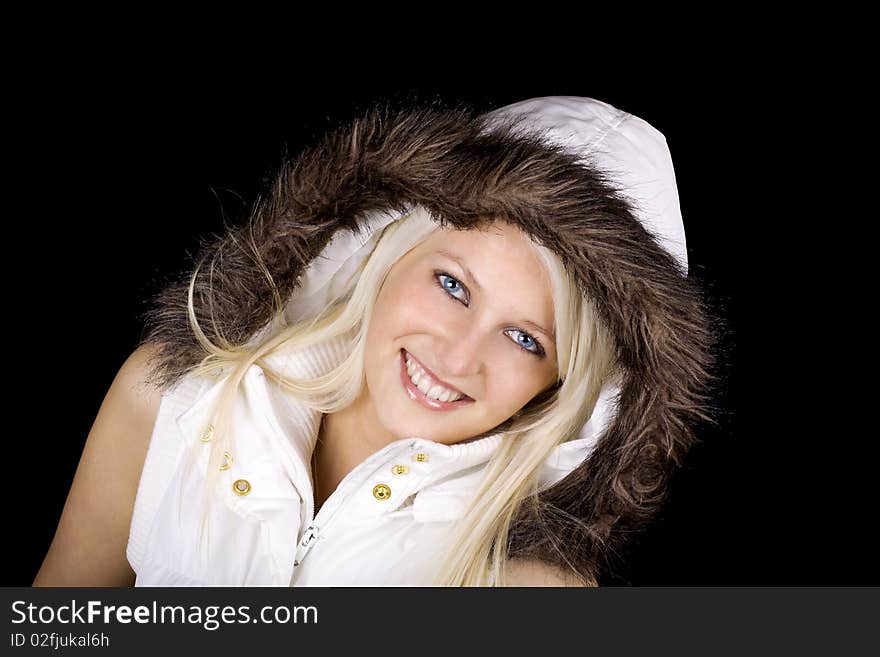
(628, 149)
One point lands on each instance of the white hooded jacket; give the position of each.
(385, 523)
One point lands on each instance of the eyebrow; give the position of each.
(476, 283)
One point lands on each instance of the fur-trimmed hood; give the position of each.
(592, 183)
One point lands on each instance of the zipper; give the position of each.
(328, 510)
(310, 535)
(312, 532)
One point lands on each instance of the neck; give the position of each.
(345, 439)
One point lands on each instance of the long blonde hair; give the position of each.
(585, 358)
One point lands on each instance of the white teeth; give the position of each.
(440, 393)
(423, 382)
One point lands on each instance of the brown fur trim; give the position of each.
(449, 162)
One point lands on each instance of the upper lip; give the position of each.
(433, 376)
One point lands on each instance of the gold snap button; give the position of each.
(420, 457)
(381, 491)
(241, 486)
(208, 434)
(400, 469)
(227, 461)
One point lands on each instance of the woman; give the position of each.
(444, 349)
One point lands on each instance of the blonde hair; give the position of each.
(585, 358)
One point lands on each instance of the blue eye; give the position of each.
(451, 285)
(456, 285)
(530, 339)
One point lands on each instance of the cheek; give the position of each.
(405, 306)
(514, 380)
(510, 384)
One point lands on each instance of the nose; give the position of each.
(460, 353)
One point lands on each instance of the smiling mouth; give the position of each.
(417, 395)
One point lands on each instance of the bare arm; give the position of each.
(530, 572)
(90, 542)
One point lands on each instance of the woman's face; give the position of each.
(477, 334)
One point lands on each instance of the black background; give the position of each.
(120, 167)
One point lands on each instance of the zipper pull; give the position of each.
(310, 535)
